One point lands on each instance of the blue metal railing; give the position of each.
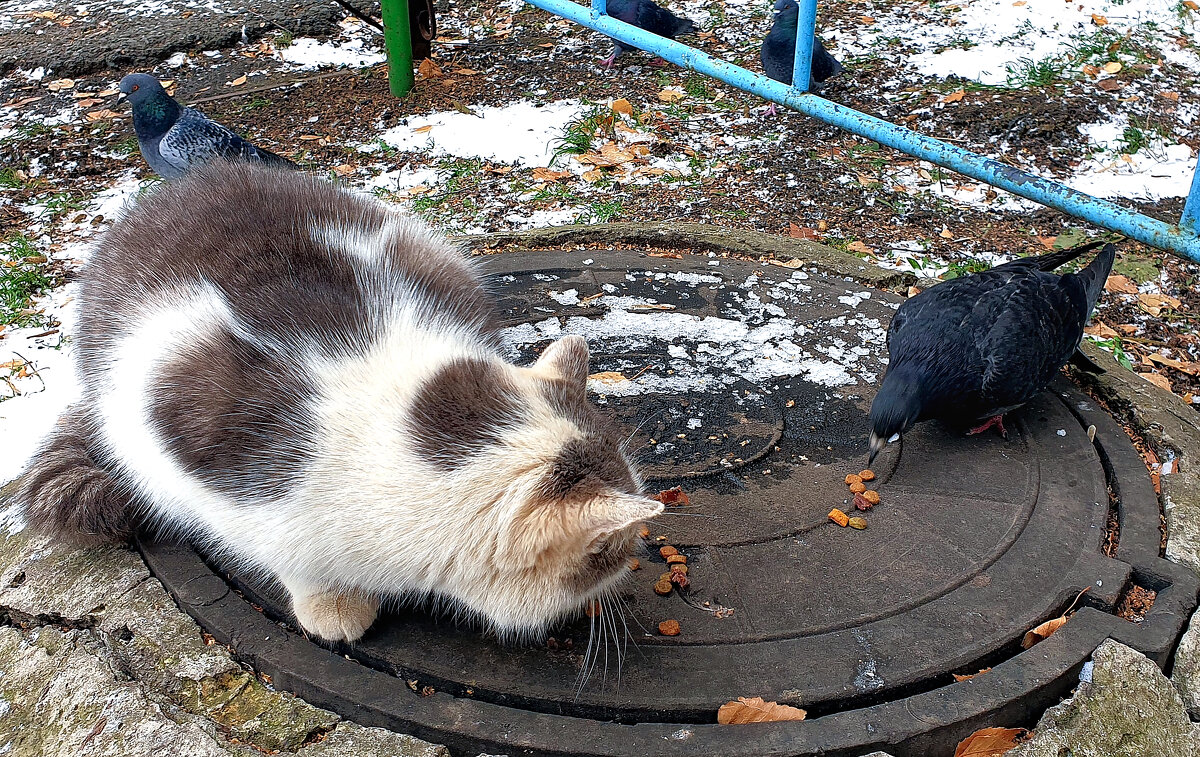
(1182, 238)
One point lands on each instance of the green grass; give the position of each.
(63, 202)
(127, 146)
(23, 275)
(966, 267)
(9, 179)
(283, 40)
(1034, 73)
(601, 212)
(579, 136)
(1142, 136)
(1114, 346)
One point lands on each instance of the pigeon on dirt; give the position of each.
(973, 348)
(173, 139)
(644, 14)
(779, 50)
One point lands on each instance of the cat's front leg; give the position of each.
(332, 615)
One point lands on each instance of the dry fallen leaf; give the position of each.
(428, 69)
(755, 710)
(671, 94)
(954, 97)
(60, 84)
(238, 81)
(857, 246)
(608, 377)
(968, 676)
(1100, 330)
(1112, 67)
(622, 106)
(1042, 632)
(1158, 380)
(798, 232)
(1154, 304)
(990, 742)
(1090, 70)
(547, 174)
(867, 19)
(1191, 4)
(1170, 95)
(422, 129)
(1099, 20)
(673, 497)
(101, 115)
(1109, 85)
(1118, 284)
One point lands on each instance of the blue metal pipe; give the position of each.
(806, 27)
(1190, 219)
(1182, 241)
(599, 8)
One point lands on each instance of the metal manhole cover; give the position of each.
(751, 384)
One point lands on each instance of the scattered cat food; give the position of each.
(871, 496)
(858, 488)
(856, 523)
(669, 628)
(755, 710)
(663, 587)
(677, 560)
(665, 576)
(668, 551)
(862, 503)
(839, 517)
(644, 533)
(660, 538)
(867, 475)
(852, 479)
(593, 608)
(674, 497)
(680, 579)
(635, 564)
(679, 568)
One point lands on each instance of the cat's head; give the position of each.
(551, 502)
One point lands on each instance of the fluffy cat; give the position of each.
(312, 385)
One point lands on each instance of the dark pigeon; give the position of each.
(779, 49)
(174, 139)
(973, 348)
(644, 14)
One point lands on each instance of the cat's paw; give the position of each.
(336, 616)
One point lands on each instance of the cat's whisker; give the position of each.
(685, 515)
(653, 416)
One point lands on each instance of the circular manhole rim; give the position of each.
(327, 679)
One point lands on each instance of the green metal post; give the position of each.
(398, 40)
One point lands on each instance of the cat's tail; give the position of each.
(66, 493)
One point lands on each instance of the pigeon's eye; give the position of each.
(135, 88)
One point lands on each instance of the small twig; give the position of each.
(366, 19)
(269, 87)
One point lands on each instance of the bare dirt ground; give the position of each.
(515, 125)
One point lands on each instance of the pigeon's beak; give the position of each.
(877, 445)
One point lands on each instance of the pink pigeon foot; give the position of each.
(608, 62)
(770, 110)
(995, 420)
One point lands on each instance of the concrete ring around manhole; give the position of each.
(749, 384)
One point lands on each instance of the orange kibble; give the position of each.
(677, 560)
(867, 475)
(871, 496)
(669, 628)
(858, 488)
(663, 588)
(853, 479)
(667, 551)
(679, 568)
(839, 517)
(635, 564)
(645, 532)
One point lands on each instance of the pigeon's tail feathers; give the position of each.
(1096, 274)
(686, 26)
(67, 494)
(1052, 260)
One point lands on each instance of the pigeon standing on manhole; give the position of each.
(973, 348)
(174, 139)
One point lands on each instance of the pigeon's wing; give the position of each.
(824, 65)
(195, 138)
(779, 54)
(660, 21)
(1033, 336)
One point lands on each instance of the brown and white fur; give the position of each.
(313, 386)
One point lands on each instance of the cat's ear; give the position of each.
(566, 359)
(614, 512)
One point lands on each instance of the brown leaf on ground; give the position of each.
(798, 232)
(547, 174)
(990, 742)
(608, 377)
(755, 710)
(1100, 330)
(1118, 284)
(671, 94)
(1109, 85)
(968, 676)
(1157, 379)
(793, 263)
(857, 246)
(1154, 304)
(954, 97)
(1099, 20)
(622, 106)
(428, 69)
(1042, 632)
